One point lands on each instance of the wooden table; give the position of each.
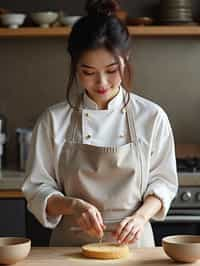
(70, 256)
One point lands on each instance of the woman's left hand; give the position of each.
(130, 229)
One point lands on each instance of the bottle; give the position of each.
(3, 139)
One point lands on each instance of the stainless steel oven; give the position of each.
(184, 214)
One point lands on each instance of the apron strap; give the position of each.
(131, 122)
(135, 139)
(75, 135)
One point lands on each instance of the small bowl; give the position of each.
(140, 21)
(182, 248)
(12, 20)
(122, 15)
(44, 19)
(14, 249)
(69, 20)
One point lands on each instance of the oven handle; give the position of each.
(181, 218)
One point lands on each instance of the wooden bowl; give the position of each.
(122, 15)
(140, 21)
(13, 249)
(182, 248)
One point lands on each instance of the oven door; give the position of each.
(176, 223)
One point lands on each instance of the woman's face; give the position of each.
(99, 74)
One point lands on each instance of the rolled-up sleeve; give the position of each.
(163, 180)
(40, 182)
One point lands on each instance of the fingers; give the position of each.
(132, 237)
(92, 222)
(120, 228)
(95, 222)
(99, 217)
(124, 230)
(82, 225)
(86, 221)
(129, 230)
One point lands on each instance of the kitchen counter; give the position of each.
(11, 183)
(71, 256)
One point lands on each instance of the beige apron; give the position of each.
(110, 178)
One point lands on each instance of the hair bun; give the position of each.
(102, 7)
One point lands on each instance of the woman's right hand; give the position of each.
(88, 218)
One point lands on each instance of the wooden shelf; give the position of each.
(165, 31)
(34, 32)
(11, 194)
(143, 31)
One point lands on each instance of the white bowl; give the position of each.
(44, 19)
(12, 20)
(69, 20)
(14, 249)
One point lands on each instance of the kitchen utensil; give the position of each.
(23, 139)
(45, 18)
(182, 248)
(12, 20)
(13, 249)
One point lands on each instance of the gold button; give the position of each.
(123, 110)
(88, 136)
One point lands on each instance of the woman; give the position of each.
(105, 160)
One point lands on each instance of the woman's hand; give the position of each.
(88, 218)
(130, 229)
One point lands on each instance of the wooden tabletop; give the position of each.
(70, 256)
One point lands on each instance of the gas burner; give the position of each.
(189, 164)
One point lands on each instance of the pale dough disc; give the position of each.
(105, 250)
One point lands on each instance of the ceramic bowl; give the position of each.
(12, 20)
(69, 20)
(182, 248)
(44, 19)
(13, 249)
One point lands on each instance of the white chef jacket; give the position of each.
(107, 127)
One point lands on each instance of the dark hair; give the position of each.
(99, 29)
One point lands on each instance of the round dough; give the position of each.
(105, 251)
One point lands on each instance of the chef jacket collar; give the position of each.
(116, 102)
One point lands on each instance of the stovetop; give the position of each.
(189, 171)
(188, 195)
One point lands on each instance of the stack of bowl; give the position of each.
(176, 12)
